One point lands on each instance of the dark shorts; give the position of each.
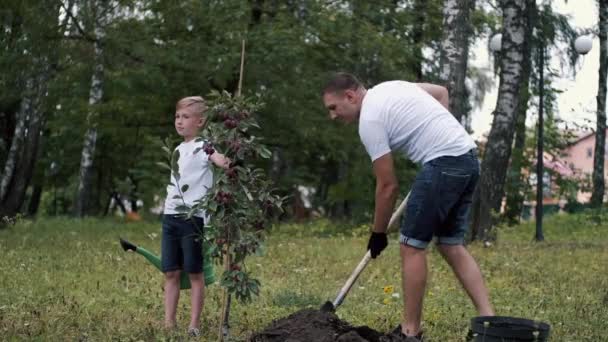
(440, 201)
(181, 246)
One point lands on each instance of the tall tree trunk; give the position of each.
(498, 148)
(515, 187)
(32, 208)
(455, 55)
(597, 197)
(83, 199)
(17, 141)
(419, 10)
(24, 151)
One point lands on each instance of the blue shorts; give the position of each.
(440, 201)
(181, 246)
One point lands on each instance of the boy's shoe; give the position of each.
(194, 332)
(126, 245)
(400, 336)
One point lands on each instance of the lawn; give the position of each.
(66, 279)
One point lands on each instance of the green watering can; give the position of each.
(184, 283)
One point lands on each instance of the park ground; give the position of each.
(66, 279)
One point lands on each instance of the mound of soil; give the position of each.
(314, 325)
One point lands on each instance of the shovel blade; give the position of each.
(328, 307)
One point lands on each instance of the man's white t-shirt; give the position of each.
(194, 170)
(401, 116)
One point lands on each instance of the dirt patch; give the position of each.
(314, 325)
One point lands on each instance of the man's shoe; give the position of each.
(400, 336)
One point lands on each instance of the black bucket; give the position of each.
(507, 329)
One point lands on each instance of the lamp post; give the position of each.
(54, 169)
(582, 45)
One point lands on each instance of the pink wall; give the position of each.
(580, 157)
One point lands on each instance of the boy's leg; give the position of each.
(414, 274)
(468, 273)
(171, 297)
(197, 293)
(192, 246)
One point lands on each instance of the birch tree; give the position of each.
(498, 149)
(455, 54)
(83, 196)
(26, 143)
(515, 187)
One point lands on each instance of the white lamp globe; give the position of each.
(496, 42)
(583, 44)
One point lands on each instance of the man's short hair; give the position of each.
(340, 81)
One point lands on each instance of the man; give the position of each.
(413, 118)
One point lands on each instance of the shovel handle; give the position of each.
(353, 277)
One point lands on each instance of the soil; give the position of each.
(314, 325)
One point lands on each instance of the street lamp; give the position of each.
(582, 45)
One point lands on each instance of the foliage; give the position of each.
(88, 288)
(157, 52)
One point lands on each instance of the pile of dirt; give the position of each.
(314, 325)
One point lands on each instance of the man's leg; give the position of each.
(413, 274)
(171, 297)
(468, 273)
(197, 297)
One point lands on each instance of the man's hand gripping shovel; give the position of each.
(332, 306)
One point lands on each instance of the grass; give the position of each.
(65, 279)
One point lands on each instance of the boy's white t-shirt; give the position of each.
(401, 116)
(194, 170)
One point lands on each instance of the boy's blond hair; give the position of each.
(197, 102)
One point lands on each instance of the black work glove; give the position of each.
(377, 243)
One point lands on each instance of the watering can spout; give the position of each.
(155, 260)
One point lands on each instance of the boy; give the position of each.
(181, 238)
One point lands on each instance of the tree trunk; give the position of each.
(455, 55)
(32, 208)
(597, 197)
(17, 141)
(23, 154)
(83, 199)
(515, 187)
(498, 148)
(420, 7)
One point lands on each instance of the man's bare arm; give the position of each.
(387, 189)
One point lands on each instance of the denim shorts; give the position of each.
(440, 201)
(181, 246)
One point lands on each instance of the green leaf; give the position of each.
(265, 153)
(164, 165)
(185, 187)
(174, 159)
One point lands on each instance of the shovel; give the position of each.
(332, 306)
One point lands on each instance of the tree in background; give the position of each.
(98, 10)
(155, 52)
(497, 153)
(457, 31)
(557, 36)
(30, 63)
